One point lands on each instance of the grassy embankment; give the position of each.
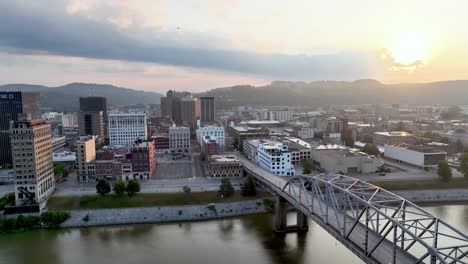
(143, 200)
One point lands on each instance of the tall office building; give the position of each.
(92, 118)
(181, 108)
(124, 129)
(12, 106)
(207, 107)
(31, 144)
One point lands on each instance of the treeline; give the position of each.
(28, 222)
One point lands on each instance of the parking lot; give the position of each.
(169, 168)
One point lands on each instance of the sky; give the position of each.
(196, 45)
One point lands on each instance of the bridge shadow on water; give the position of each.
(280, 247)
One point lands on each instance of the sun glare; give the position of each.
(408, 50)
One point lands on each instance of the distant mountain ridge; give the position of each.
(66, 97)
(342, 93)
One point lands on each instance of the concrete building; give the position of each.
(271, 155)
(393, 138)
(143, 160)
(241, 133)
(124, 129)
(92, 104)
(207, 109)
(415, 155)
(340, 159)
(32, 161)
(85, 153)
(224, 166)
(210, 146)
(58, 143)
(300, 150)
(187, 112)
(92, 123)
(213, 131)
(15, 105)
(179, 139)
(70, 120)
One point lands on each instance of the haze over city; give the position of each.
(233, 131)
(196, 46)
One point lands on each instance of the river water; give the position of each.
(247, 239)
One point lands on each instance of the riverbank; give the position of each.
(434, 196)
(120, 216)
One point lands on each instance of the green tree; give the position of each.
(248, 188)
(348, 139)
(103, 187)
(366, 138)
(464, 164)
(458, 146)
(226, 189)
(187, 190)
(119, 187)
(444, 171)
(133, 187)
(306, 169)
(370, 149)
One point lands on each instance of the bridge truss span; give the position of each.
(385, 227)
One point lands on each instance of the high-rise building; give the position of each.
(31, 147)
(91, 124)
(92, 117)
(166, 104)
(124, 129)
(14, 105)
(85, 153)
(207, 109)
(179, 139)
(181, 108)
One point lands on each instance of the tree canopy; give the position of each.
(133, 187)
(248, 188)
(444, 171)
(226, 189)
(103, 187)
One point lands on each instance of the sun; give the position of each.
(409, 50)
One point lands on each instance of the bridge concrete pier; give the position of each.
(281, 220)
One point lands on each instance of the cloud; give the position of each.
(49, 28)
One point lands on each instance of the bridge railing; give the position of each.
(353, 203)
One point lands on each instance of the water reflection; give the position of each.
(248, 239)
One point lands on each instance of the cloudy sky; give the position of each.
(202, 44)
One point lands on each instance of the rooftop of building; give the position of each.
(85, 138)
(63, 156)
(127, 114)
(142, 144)
(418, 148)
(209, 139)
(261, 122)
(299, 142)
(247, 128)
(223, 158)
(394, 134)
(333, 150)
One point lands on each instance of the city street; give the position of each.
(166, 185)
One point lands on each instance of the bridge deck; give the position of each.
(383, 253)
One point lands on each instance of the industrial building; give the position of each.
(421, 156)
(340, 159)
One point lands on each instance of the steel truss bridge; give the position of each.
(376, 225)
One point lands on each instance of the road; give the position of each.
(172, 185)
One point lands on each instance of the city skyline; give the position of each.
(161, 45)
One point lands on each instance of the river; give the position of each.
(247, 239)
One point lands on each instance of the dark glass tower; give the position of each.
(14, 105)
